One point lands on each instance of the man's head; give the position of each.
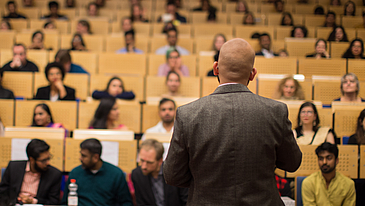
(172, 36)
(331, 17)
(129, 37)
(166, 110)
(150, 157)
(235, 63)
(92, 9)
(63, 57)
(90, 153)
(38, 155)
(19, 51)
(327, 154)
(53, 7)
(171, 8)
(265, 41)
(126, 24)
(11, 7)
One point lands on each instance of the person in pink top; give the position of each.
(173, 64)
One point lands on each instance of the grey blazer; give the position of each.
(225, 148)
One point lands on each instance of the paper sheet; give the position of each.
(166, 146)
(18, 149)
(110, 152)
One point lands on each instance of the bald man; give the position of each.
(226, 146)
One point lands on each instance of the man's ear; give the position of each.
(253, 74)
(215, 68)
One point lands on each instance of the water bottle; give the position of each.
(72, 200)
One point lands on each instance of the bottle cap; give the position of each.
(72, 180)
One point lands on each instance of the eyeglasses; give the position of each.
(173, 57)
(44, 161)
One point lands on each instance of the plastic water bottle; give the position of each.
(72, 200)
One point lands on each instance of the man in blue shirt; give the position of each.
(99, 182)
(129, 44)
(63, 56)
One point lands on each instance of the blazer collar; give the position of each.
(230, 88)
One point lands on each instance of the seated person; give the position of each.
(241, 6)
(289, 89)
(5, 25)
(335, 2)
(279, 6)
(249, 19)
(138, 14)
(308, 131)
(37, 41)
(172, 42)
(349, 9)
(56, 90)
(112, 188)
(42, 117)
(330, 19)
(212, 17)
(70, 4)
(49, 25)
(34, 181)
(321, 47)
(100, 3)
(350, 87)
(114, 88)
(219, 40)
(92, 9)
(205, 6)
(126, 24)
(148, 180)
(327, 186)
(2, 131)
(319, 10)
(338, 34)
(287, 19)
(216, 57)
(355, 50)
(53, 8)
(12, 9)
(172, 14)
(359, 137)
(166, 112)
(283, 53)
(5, 93)
(299, 32)
(63, 57)
(20, 62)
(173, 64)
(265, 45)
(27, 3)
(173, 85)
(167, 26)
(83, 27)
(129, 44)
(78, 43)
(107, 115)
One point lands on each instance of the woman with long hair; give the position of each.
(355, 50)
(320, 50)
(338, 34)
(289, 89)
(359, 137)
(114, 88)
(42, 117)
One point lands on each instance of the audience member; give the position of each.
(241, 7)
(2, 131)
(56, 90)
(255, 35)
(287, 19)
(126, 24)
(173, 84)
(100, 3)
(338, 34)
(70, 3)
(166, 112)
(111, 189)
(83, 27)
(148, 181)
(172, 14)
(349, 9)
(172, 43)
(249, 19)
(5, 25)
(20, 62)
(321, 50)
(205, 5)
(92, 10)
(328, 187)
(78, 43)
(33, 181)
(167, 26)
(359, 137)
(350, 87)
(299, 32)
(355, 50)
(13, 13)
(28, 3)
(173, 63)
(114, 88)
(53, 8)
(63, 57)
(211, 72)
(37, 41)
(42, 117)
(330, 19)
(283, 53)
(49, 25)
(289, 89)
(265, 45)
(319, 10)
(219, 40)
(212, 17)
(129, 40)
(5, 93)
(107, 115)
(335, 2)
(138, 14)
(308, 131)
(279, 6)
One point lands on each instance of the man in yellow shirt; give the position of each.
(328, 187)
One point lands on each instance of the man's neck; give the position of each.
(97, 165)
(156, 173)
(328, 177)
(168, 126)
(32, 168)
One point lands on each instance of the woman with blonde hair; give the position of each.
(289, 89)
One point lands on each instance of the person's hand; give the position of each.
(26, 199)
(325, 53)
(80, 47)
(15, 63)
(59, 85)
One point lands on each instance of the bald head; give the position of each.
(235, 63)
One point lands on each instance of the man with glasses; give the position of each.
(149, 183)
(172, 43)
(33, 181)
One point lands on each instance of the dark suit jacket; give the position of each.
(48, 188)
(225, 148)
(262, 54)
(44, 93)
(174, 196)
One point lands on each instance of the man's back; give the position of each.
(225, 148)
